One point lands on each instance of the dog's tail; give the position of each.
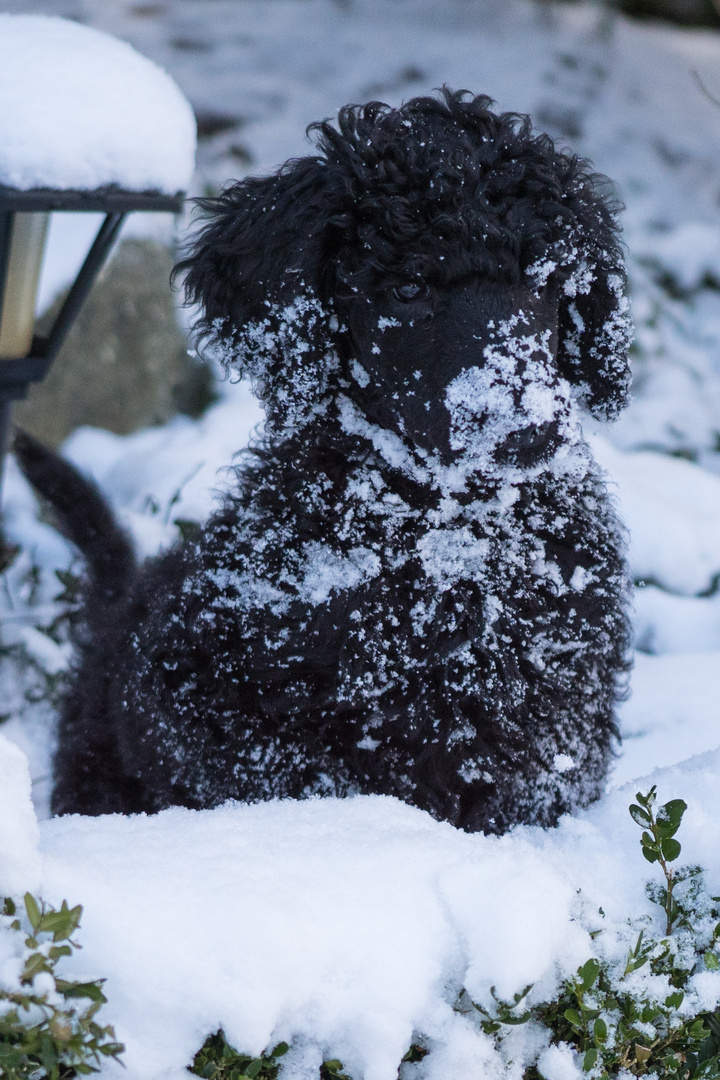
(83, 515)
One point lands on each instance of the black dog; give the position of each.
(417, 585)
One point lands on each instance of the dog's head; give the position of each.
(444, 266)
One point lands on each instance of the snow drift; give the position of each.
(347, 928)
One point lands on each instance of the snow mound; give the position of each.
(349, 927)
(80, 109)
(341, 923)
(672, 714)
(671, 508)
(689, 253)
(19, 859)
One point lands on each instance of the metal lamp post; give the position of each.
(25, 357)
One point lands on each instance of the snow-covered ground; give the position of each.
(423, 900)
(347, 928)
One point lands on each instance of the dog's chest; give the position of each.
(375, 586)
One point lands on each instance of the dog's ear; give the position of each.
(255, 270)
(594, 332)
(260, 243)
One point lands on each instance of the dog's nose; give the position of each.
(530, 445)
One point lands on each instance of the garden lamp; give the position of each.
(25, 357)
(87, 125)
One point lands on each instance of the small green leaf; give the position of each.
(648, 1014)
(674, 1001)
(574, 1018)
(57, 951)
(10, 1058)
(665, 828)
(640, 816)
(512, 1019)
(48, 1053)
(600, 1030)
(674, 810)
(34, 964)
(590, 1059)
(281, 1049)
(112, 1049)
(80, 990)
(670, 849)
(711, 961)
(33, 911)
(588, 973)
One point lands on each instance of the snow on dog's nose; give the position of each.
(513, 411)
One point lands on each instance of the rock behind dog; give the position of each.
(125, 364)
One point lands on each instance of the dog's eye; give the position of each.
(411, 290)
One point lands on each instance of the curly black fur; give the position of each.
(417, 585)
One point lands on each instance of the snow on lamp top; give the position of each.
(82, 110)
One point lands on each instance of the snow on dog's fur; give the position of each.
(416, 585)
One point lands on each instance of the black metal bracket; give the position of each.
(16, 375)
(106, 200)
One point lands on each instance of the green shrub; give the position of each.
(217, 1060)
(48, 1029)
(618, 1024)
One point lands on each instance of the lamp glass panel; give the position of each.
(17, 320)
(70, 237)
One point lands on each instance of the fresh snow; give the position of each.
(350, 926)
(672, 714)
(672, 512)
(80, 109)
(19, 834)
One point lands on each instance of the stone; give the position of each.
(125, 363)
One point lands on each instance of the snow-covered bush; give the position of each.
(358, 938)
(48, 1029)
(644, 1013)
(636, 1012)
